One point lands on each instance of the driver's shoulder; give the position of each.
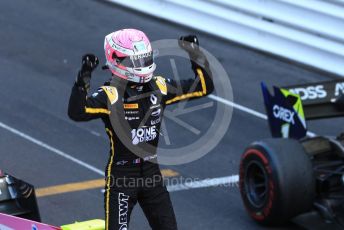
(162, 83)
(110, 91)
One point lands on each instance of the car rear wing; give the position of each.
(321, 99)
(285, 113)
(290, 107)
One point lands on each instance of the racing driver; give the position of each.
(138, 97)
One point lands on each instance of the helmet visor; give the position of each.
(137, 61)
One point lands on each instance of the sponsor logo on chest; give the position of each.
(131, 106)
(143, 134)
(156, 121)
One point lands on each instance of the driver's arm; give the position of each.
(199, 86)
(81, 107)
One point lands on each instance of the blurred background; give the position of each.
(280, 42)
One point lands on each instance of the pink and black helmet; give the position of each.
(129, 55)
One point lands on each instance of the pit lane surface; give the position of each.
(41, 45)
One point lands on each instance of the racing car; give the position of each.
(296, 171)
(19, 209)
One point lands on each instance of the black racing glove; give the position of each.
(89, 63)
(190, 44)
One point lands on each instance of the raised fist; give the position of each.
(189, 43)
(89, 62)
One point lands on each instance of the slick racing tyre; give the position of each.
(276, 181)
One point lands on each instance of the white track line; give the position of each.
(52, 149)
(172, 188)
(228, 180)
(239, 107)
(246, 110)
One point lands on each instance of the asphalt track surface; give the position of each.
(41, 43)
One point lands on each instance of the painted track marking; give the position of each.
(228, 180)
(51, 149)
(246, 110)
(85, 185)
(70, 187)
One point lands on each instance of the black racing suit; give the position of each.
(126, 172)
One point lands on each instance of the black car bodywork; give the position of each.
(296, 171)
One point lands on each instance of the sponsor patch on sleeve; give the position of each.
(111, 93)
(161, 83)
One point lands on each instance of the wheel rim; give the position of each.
(256, 184)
